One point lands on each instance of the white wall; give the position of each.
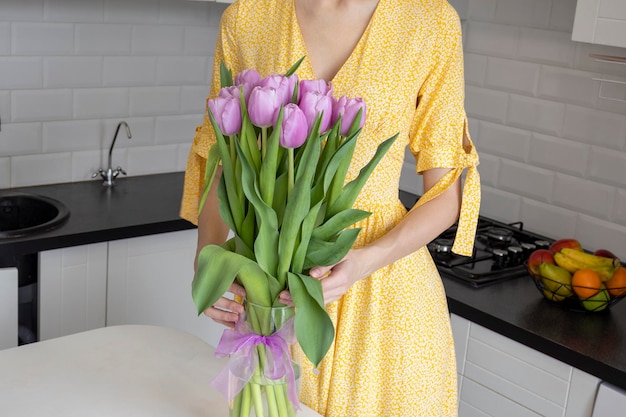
(70, 70)
(553, 153)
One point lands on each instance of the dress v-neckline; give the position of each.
(357, 46)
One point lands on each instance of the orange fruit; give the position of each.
(586, 283)
(617, 284)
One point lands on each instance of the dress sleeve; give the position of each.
(205, 137)
(439, 136)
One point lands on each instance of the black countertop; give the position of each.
(144, 205)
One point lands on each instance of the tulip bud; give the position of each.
(227, 114)
(315, 86)
(313, 103)
(294, 127)
(247, 80)
(283, 85)
(263, 105)
(347, 109)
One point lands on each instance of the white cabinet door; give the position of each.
(600, 21)
(72, 290)
(8, 307)
(150, 283)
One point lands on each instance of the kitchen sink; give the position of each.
(24, 214)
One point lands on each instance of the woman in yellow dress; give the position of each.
(393, 353)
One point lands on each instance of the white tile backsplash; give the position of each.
(71, 70)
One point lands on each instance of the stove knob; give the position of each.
(500, 257)
(528, 248)
(542, 244)
(516, 255)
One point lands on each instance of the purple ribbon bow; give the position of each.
(240, 344)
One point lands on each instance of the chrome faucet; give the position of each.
(110, 174)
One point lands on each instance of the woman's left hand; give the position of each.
(338, 278)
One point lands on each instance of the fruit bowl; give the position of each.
(569, 296)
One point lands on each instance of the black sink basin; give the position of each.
(23, 214)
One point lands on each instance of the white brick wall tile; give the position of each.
(533, 13)
(5, 107)
(583, 195)
(475, 69)
(618, 107)
(486, 104)
(547, 219)
(183, 155)
(16, 10)
(488, 168)
(461, 7)
(505, 141)
(526, 180)
(535, 114)
(18, 72)
(85, 163)
(596, 234)
(184, 13)
(73, 11)
(151, 160)
(492, 39)
(410, 181)
(619, 212)
(595, 127)
(200, 41)
(511, 75)
(5, 38)
(193, 100)
(5, 172)
(612, 88)
(474, 129)
(183, 70)
(500, 205)
(95, 103)
(60, 72)
(41, 169)
(608, 166)
(174, 129)
(482, 9)
(41, 105)
(154, 101)
(562, 15)
(158, 40)
(546, 46)
(565, 155)
(136, 11)
(71, 135)
(42, 38)
(20, 139)
(141, 129)
(564, 84)
(129, 70)
(104, 39)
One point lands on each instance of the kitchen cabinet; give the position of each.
(149, 282)
(601, 22)
(72, 290)
(501, 377)
(8, 307)
(143, 280)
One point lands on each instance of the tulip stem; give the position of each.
(290, 173)
(263, 142)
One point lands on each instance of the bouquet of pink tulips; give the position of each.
(285, 146)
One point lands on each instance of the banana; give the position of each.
(573, 260)
(556, 279)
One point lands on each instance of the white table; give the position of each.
(114, 371)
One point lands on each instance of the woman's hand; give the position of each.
(338, 278)
(226, 311)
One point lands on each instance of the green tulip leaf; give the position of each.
(338, 222)
(210, 171)
(308, 225)
(226, 75)
(325, 253)
(269, 166)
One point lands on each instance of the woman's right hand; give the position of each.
(226, 311)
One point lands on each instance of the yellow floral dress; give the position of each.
(393, 354)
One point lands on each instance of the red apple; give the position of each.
(538, 257)
(605, 253)
(572, 243)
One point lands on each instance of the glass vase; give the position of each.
(263, 396)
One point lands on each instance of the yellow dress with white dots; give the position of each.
(393, 353)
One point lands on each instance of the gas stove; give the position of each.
(500, 251)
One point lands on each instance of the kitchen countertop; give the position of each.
(592, 342)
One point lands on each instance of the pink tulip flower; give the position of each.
(283, 85)
(294, 127)
(316, 86)
(263, 105)
(347, 109)
(313, 103)
(247, 80)
(227, 114)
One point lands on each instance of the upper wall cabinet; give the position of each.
(601, 22)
